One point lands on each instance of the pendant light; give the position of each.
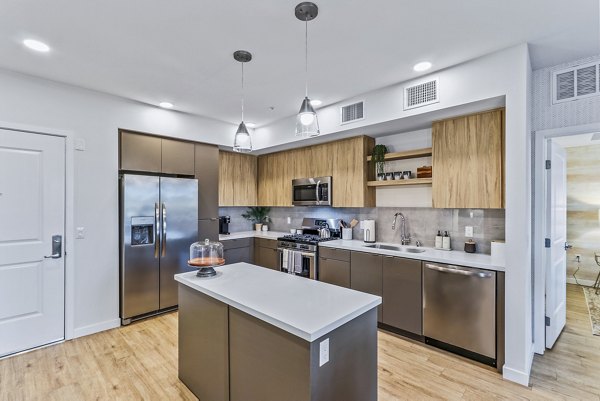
(307, 123)
(242, 141)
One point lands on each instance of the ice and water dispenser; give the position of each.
(142, 230)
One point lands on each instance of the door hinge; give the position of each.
(548, 164)
(547, 243)
(547, 320)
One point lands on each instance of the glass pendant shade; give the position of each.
(242, 142)
(307, 123)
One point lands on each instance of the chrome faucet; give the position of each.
(404, 237)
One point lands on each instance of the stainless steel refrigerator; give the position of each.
(159, 222)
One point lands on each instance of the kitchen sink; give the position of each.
(395, 248)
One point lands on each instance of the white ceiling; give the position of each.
(181, 51)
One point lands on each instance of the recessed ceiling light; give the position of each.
(250, 125)
(423, 66)
(36, 45)
(166, 105)
(316, 102)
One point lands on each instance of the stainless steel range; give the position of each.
(298, 253)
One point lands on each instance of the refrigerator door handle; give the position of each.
(156, 228)
(164, 230)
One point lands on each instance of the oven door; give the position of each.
(309, 266)
(311, 191)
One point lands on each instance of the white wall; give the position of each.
(505, 73)
(95, 117)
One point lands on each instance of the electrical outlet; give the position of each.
(324, 352)
(80, 233)
(469, 231)
(289, 220)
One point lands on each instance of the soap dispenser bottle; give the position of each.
(446, 241)
(438, 240)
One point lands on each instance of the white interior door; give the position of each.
(32, 211)
(556, 255)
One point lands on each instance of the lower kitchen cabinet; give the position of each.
(335, 272)
(402, 294)
(238, 250)
(266, 253)
(366, 275)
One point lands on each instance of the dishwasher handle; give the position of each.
(458, 270)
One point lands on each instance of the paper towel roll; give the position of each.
(498, 253)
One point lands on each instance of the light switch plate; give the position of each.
(323, 352)
(79, 144)
(80, 233)
(468, 231)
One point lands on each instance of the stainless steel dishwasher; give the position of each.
(459, 310)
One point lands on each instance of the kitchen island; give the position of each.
(254, 334)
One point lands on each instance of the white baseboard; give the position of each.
(515, 376)
(585, 282)
(96, 328)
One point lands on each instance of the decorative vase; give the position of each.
(258, 226)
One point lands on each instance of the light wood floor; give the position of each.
(139, 362)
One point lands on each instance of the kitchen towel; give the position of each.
(297, 262)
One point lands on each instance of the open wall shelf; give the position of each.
(409, 154)
(411, 181)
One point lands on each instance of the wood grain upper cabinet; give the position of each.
(140, 152)
(237, 179)
(351, 172)
(468, 161)
(177, 157)
(275, 174)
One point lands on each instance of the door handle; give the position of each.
(56, 247)
(164, 230)
(156, 229)
(568, 246)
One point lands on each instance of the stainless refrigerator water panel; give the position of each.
(179, 214)
(158, 224)
(139, 264)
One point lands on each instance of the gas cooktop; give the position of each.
(305, 238)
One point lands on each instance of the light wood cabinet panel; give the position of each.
(227, 169)
(344, 160)
(177, 157)
(237, 179)
(140, 152)
(467, 157)
(351, 173)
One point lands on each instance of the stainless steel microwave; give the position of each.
(311, 191)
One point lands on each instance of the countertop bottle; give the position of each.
(438, 240)
(446, 241)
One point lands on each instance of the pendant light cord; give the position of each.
(242, 92)
(306, 55)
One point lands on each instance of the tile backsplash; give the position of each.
(422, 223)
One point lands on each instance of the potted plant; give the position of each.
(378, 157)
(258, 215)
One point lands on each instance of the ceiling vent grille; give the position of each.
(575, 83)
(352, 112)
(421, 94)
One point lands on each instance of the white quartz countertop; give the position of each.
(476, 260)
(306, 308)
(253, 234)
